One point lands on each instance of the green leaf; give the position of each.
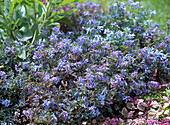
(56, 19)
(56, 13)
(34, 27)
(23, 24)
(40, 10)
(18, 34)
(51, 25)
(23, 54)
(66, 21)
(22, 29)
(27, 35)
(39, 2)
(16, 23)
(32, 18)
(14, 5)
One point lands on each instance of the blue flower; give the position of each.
(2, 73)
(94, 111)
(76, 49)
(102, 97)
(153, 13)
(6, 103)
(132, 3)
(37, 55)
(56, 80)
(46, 78)
(128, 42)
(153, 84)
(119, 34)
(54, 118)
(49, 104)
(64, 115)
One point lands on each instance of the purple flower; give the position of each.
(62, 105)
(56, 30)
(37, 55)
(44, 2)
(102, 97)
(116, 54)
(132, 3)
(94, 111)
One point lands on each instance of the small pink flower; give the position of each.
(65, 8)
(44, 2)
(69, 6)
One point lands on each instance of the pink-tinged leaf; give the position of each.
(160, 112)
(152, 122)
(144, 104)
(130, 105)
(139, 100)
(166, 112)
(141, 107)
(140, 113)
(155, 104)
(152, 112)
(124, 112)
(165, 98)
(165, 105)
(130, 114)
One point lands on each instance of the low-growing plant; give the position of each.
(89, 72)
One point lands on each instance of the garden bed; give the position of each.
(80, 63)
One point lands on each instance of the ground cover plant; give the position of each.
(87, 65)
